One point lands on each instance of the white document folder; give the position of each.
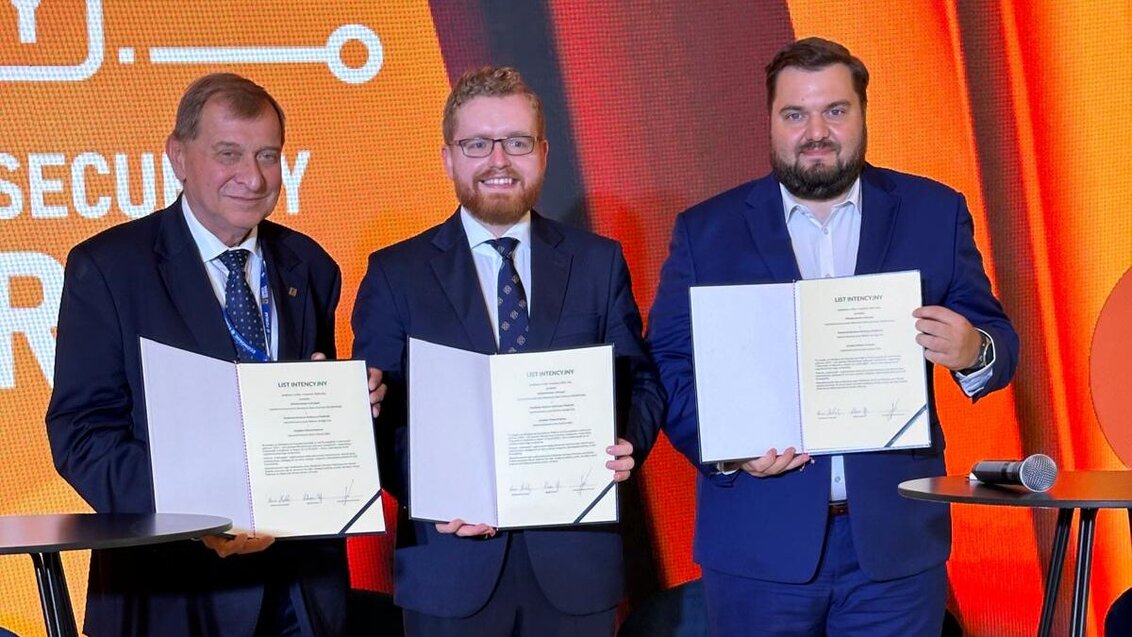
(513, 440)
(822, 365)
(285, 449)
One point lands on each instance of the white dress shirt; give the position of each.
(488, 261)
(210, 248)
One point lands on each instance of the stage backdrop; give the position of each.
(652, 106)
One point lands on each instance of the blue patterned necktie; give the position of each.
(513, 319)
(240, 304)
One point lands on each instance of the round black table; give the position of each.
(1084, 490)
(43, 536)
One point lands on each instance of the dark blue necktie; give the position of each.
(240, 305)
(513, 319)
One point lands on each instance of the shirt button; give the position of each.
(837, 479)
(825, 231)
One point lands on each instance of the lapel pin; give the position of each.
(292, 292)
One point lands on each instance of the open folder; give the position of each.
(512, 440)
(822, 365)
(285, 449)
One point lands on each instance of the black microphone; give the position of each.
(1037, 472)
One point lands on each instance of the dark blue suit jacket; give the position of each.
(426, 287)
(773, 528)
(146, 278)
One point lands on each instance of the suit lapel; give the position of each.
(767, 223)
(878, 219)
(287, 276)
(456, 272)
(550, 271)
(187, 285)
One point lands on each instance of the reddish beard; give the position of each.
(498, 209)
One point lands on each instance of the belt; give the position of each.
(838, 508)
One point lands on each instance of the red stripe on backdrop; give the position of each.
(462, 32)
(1017, 176)
(935, 124)
(1073, 68)
(668, 104)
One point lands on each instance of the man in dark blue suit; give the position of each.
(463, 578)
(791, 545)
(174, 277)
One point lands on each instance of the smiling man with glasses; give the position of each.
(497, 277)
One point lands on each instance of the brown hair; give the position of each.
(489, 81)
(815, 54)
(243, 97)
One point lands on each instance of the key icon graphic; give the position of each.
(330, 54)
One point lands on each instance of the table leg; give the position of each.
(46, 598)
(1053, 573)
(58, 615)
(1084, 569)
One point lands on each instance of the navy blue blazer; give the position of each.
(773, 528)
(146, 278)
(426, 287)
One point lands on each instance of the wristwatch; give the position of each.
(986, 354)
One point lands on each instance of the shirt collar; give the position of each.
(478, 234)
(852, 199)
(208, 244)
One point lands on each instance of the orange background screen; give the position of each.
(651, 106)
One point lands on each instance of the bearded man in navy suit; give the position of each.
(166, 277)
(462, 578)
(831, 549)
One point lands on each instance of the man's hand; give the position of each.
(772, 463)
(622, 463)
(377, 388)
(462, 529)
(377, 391)
(238, 544)
(948, 339)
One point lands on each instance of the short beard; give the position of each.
(819, 182)
(498, 211)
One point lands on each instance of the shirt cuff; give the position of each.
(974, 382)
(720, 469)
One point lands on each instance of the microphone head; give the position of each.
(1038, 472)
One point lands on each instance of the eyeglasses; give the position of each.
(515, 145)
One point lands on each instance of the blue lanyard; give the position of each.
(252, 351)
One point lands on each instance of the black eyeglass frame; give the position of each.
(502, 141)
